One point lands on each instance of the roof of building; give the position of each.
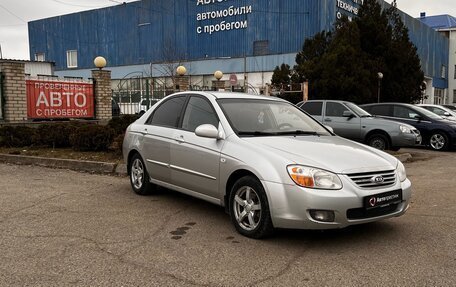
(25, 61)
(439, 21)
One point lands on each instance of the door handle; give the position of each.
(180, 139)
(328, 120)
(144, 132)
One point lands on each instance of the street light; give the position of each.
(380, 77)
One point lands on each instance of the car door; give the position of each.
(159, 133)
(347, 127)
(195, 161)
(314, 108)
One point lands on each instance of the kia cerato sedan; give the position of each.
(269, 164)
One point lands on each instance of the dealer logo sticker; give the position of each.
(373, 201)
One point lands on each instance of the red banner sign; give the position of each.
(53, 99)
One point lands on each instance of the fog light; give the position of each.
(322, 215)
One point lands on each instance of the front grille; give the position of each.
(362, 213)
(375, 179)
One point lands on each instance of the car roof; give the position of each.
(389, 103)
(232, 95)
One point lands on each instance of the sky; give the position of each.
(14, 15)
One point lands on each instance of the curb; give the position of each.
(71, 164)
(403, 157)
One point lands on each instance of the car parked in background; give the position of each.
(266, 161)
(438, 133)
(451, 107)
(350, 121)
(440, 111)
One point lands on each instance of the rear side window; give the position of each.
(335, 109)
(313, 108)
(381, 110)
(198, 112)
(168, 113)
(404, 113)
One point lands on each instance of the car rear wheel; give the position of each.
(139, 178)
(378, 141)
(249, 208)
(439, 141)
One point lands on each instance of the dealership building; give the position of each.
(144, 42)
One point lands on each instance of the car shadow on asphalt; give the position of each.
(353, 234)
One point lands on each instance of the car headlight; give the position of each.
(313, 177)
(401, 171)
(405, 129)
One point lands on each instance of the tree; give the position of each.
(343, 64)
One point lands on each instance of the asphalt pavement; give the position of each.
(65, 228)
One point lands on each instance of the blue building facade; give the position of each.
(234, 35)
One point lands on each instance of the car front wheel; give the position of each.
(249, 208)
(139, 178)
(438, 141)
(378, 141)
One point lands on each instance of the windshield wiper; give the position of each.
(298, 132)
(256, 133)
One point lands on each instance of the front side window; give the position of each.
(72, 59)
(266, 117)
(313, 108)
(168, 113)
(198, 112)
(335, 109)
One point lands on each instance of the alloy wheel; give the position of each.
(247, 208)
(137, 173)
(437, 141)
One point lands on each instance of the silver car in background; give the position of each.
(352, 122)
(263, 159)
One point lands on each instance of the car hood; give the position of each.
(331, 153)
(385, 122)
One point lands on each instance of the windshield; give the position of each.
(359, 111)
(265, 117)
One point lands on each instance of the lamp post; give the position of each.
(218, 75)
(380, 77)
(181, 81)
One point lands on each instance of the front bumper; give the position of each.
(290, 205)
(407, 139)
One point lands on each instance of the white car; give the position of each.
(266, 161)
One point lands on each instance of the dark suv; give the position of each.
(438, 133)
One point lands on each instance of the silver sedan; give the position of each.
(269, 164)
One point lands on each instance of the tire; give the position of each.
(439, 141)
(249, 208)
(378, 141)
(139, 177)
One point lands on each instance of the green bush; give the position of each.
(120, 124)
(55, 135)
(16, 136)
(92, 138)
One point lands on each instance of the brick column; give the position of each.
(103, 94)
(218, 85)
(182, 83)
(14, 91)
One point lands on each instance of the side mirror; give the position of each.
(207, 131)
(418, 118)
(446, 114)
(329, 128)
(348, 114)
